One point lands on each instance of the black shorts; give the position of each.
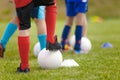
(24, 15)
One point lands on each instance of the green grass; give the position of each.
(99, 64)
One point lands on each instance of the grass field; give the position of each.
(99, 64)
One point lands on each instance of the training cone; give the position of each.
(107, 45)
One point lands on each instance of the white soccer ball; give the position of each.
(50, 59)
(72, 41)
(36, 49)
(85, 44)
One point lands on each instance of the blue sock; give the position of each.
(42, 40)
(65, 34)
(9, 31)
(78, 36)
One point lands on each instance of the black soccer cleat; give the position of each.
(26, 70)
(54, 46)
(2, 50)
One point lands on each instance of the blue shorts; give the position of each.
(73, 8)
(38, 12)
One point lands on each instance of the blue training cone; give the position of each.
(107, 45)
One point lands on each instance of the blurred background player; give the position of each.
(75, 9)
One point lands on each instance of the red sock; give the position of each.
(24, 47)
(51, 22)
